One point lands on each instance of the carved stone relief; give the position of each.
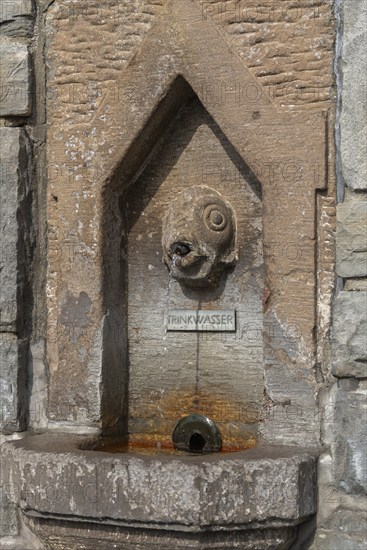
(199, 237)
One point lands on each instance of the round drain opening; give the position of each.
(196, 443)
(196, 433)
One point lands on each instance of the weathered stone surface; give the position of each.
(16, 17)
(37, 372)
(355, 284)
(353, 117)
(24, 540)
(199, 236)
(60, 535)
(349, 335)
(288, 47)
(11, 9)
(190, 372)
(53, 476)
(15, 97)
(8, 516)
(133, 106)
(289, 387)
(326, 270)
(343, 530)
(12, 383)
(351, 239)
(350, 435)
(15, 230)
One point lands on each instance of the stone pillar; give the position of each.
(343, 466)
(15, 293)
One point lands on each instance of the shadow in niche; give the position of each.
(114, 233)
(179, 103)
(305, 535)
(193, 108)
(203, 295)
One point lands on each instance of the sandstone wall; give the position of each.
(307, 55)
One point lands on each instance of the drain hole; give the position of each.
(196, 443)
(196, 433)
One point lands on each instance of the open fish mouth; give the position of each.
(184, 255)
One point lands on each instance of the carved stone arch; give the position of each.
(115, 361)
(285, 151)
(173, 53)
(114, 234)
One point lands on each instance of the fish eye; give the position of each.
(215, 218)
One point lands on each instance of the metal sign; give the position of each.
(195, 320)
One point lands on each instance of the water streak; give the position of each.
(197, 356)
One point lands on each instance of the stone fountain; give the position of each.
(181, 404)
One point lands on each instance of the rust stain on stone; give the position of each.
(236, 421)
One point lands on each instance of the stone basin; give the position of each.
(246, 499)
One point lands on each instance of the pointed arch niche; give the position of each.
(184, 92)
(164, 375)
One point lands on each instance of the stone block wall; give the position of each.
(250, 29)
(16, 230)
(20, 165)
(343, 465)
